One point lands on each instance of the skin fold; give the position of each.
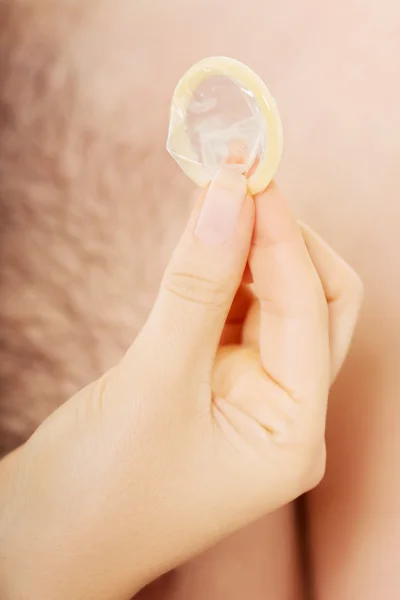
(87, 192)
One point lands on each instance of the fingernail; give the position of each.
(221, 207)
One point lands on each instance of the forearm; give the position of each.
(10, 574)
(51, 544)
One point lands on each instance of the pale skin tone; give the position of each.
(214, 417)
(339, 170)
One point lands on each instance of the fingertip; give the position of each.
(275, 221)
(224, 210)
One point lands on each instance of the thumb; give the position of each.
(206, 268)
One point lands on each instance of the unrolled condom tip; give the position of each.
(222, 115)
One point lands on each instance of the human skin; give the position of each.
(340, 182)
(214, 417)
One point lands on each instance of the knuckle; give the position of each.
(353, 288)
(264, 240)
(314, 468)
(290, 306)
(205, 290)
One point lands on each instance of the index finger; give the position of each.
(294, 330)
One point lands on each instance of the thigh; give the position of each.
(346, 185)
(261, 561)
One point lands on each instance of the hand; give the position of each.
(215, 416)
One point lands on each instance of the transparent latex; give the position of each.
(216, 120)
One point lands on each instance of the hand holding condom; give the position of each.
(215, 416)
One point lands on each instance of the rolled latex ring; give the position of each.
(245, 78)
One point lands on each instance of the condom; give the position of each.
(222, 115)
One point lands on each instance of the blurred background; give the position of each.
(92, 205)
